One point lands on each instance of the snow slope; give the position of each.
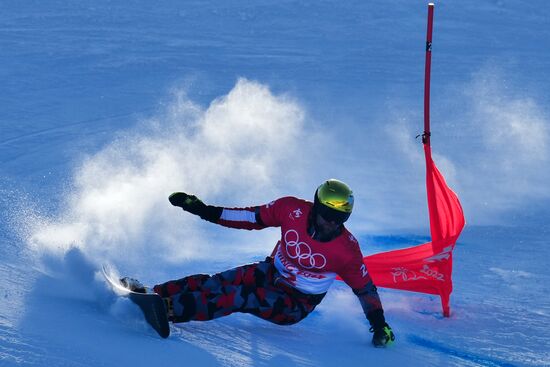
(109, 107)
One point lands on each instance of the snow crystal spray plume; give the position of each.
(238, 147)
(514, 161)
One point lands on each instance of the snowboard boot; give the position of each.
(133, 284)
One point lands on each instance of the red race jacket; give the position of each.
(308, 265)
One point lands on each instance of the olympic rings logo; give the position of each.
(302, 251)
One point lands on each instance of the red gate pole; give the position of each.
(427, 74)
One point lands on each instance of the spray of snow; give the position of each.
(239, 147)
(515, 156)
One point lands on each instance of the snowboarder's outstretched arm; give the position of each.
(194, 205)
(355, 274)
(242, 218)
(372, 307)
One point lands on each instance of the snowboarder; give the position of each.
(314, 248)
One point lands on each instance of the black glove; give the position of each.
(383, 334)
(382, 337)
(193, 205)
(189, 203)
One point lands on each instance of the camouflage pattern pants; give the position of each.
(256, 288)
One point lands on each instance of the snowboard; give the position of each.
(151, 304)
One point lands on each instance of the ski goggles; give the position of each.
(331, 215)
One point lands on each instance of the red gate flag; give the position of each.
(425, 268)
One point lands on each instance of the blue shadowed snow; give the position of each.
(108, 107)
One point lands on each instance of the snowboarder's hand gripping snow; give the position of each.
(315, 247)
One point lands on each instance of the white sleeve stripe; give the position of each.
(238, 215)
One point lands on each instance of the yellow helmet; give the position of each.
(334, 201)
